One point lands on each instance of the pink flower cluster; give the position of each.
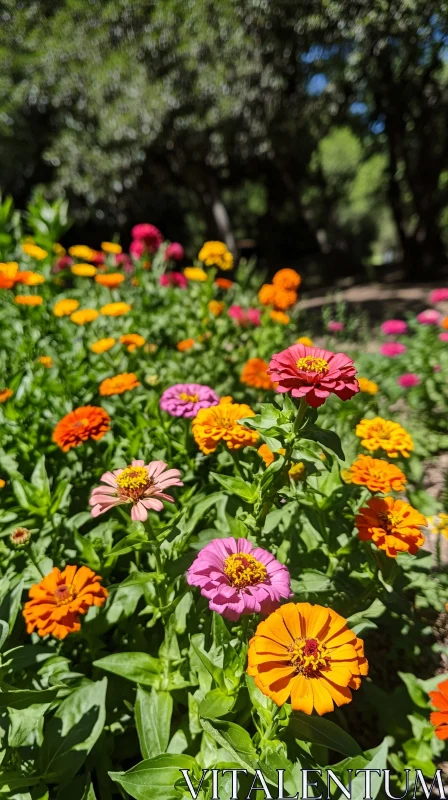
(393, 349)
(146, 238)
(176, 279)
(186, 399)
(245, 316)
(238, 578)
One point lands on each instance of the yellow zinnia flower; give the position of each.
(365, 385)
(220, 423)
(115, 309)
(63, 308)
(58, 249)
(111, 247)
(132, 340)
(84, 315)
(29, 300)
(102, 345)
(82, 251)
(280, 316)
(383, 434)
(215, 307)
(195, 274)
(83, 270)
(304, 340)
(34, 251)
(216, 254)
(46, 361)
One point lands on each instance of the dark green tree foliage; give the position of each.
(219, 119)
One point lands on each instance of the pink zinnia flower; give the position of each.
(443, 337)
(393, 349)
(149, 235)
(335, 327)
(186, 399)
(62, 263)
(313, 373)
(137, 248)
(174, 251)
(123, 260)
(429, 317)
(408, 379)
(394, 327)
(436, 368)
(438, 296)
(243, 316)
(174, 279)
(238, 578)
(142, 485)
(97, 258)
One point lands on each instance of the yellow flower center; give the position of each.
(133, 478)
(309, 657)
(63, 594)
(312, 364)
(244, 570)
(390, 519)
(188, 398)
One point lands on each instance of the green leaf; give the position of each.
(235, 740)
(328, 439)
(72, 732)
(39, 479)
(153, 712)
(87, 552)
(214, 670)
(322, 731)
(23, 722)
(379, 761)
(416, 691)
(129, 543)
(156, 777)
(247, 491)
(22, 698)
(216, 703)
(137, 667)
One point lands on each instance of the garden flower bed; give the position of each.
(213, 530)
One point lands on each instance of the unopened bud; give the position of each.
(20, 537)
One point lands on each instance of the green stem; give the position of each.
(156, 547)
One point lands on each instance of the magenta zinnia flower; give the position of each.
(149, 235)
(394, 327)
(137, 248)
(186, 399)
(313, 373)
(429, 317)
(335, 327)
(408, 379)
(438, 296)
(141, 484)
(174, 251)
(174, 279)
(243, 316)
(392, 349)
(238, 578)
(443, 337)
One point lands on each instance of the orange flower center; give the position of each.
(133, 482)
(309, 657)
(243, 570)
(188, 398)
(64, 594)
(312, 364)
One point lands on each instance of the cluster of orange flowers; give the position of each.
(282, 292)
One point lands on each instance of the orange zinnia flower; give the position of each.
(280, 316)
(119, 384)
(393, 525)
(215, 307)
(102, 345)
(287, 279)
(8, 273)
(306, 653)
(444, 323)
(110, 279)
(111, 247)
(377, 475)
(220, 423)
(277, 296)
(132, 340)
(56, 602)
(224, 283)
(195, 274)
(266, 294)
(34, 251)
(86, 422)
(365, 385)
(254, 374)
(382, 434)
(5, 394)
(29, 278)
(115, 309)
(46, 361)
(185, 344)
(82, 251)
(2, 483)
(84, 315)
(63, 308)
(439, 718)
(28, 299)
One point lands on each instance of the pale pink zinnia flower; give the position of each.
(243, 316)
(392, 349)
(142, 485)
(394, 327)
(335, 327)
(438, 296)
(408, 379)
(238, 578)
(174, 251)
(429, 317)
(313, 373)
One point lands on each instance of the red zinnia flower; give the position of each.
(313, 373)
